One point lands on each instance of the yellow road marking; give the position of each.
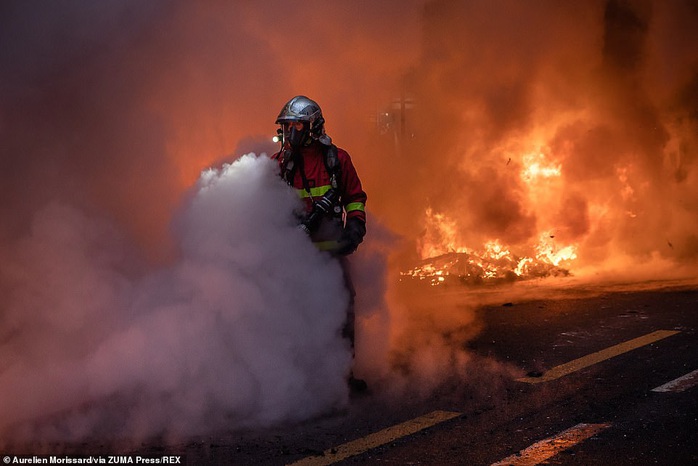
(594, 358)
(541, 451)
(377, 439)
(678, 385)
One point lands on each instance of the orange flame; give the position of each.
(445, 256)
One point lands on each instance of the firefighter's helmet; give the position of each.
(301, 109)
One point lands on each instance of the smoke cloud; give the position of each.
(242, 331)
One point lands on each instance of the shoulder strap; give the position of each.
(287, 165)
(332, 164)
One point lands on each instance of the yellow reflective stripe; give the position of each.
(355, 206)
(321, 190)
(326, 245)
(314, 192)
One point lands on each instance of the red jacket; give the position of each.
(352, 195)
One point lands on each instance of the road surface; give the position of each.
(603, 377)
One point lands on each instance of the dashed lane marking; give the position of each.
(541, 451)
(595, 358)
(377, 439)
(678, 385)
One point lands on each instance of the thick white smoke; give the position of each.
(243, 330)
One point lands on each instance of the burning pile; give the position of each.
(494, 264)
(446, 260)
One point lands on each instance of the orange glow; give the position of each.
(493, 260)
(535, 166)
(493, 122)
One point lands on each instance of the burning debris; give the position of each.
(473, 269)
(444, 261)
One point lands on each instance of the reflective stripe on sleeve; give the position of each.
(355, 206)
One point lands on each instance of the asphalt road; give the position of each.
(569, 379)
(602, 410)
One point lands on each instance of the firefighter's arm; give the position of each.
(354, 199)
(353, 195)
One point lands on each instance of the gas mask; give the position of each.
(295, 133)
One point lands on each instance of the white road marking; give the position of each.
(541, 451)
(678, 385)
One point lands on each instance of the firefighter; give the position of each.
(325, 179)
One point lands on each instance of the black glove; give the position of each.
(353, 235)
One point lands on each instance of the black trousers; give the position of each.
(348, 328)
